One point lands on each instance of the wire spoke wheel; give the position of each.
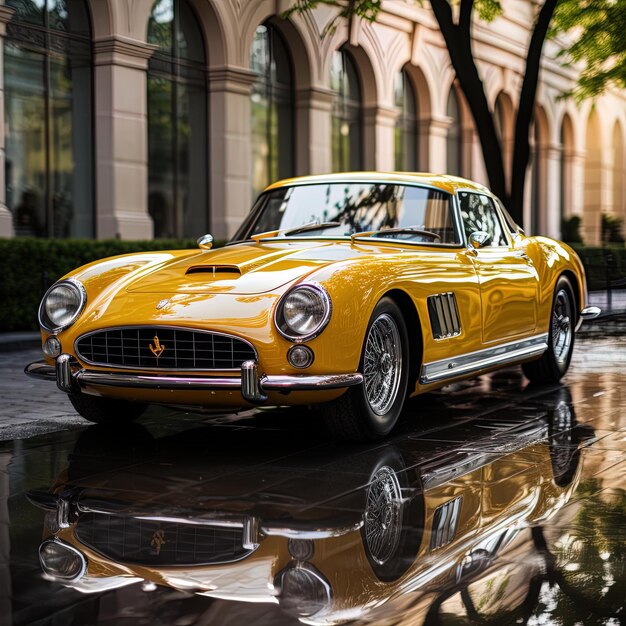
(383, 515)
(382, 364)
(562, 326)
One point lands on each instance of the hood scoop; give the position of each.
(216, 271)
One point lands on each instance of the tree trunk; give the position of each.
(458, 42)
(526, 110)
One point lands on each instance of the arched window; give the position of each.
(271, 109)
(406, 124)
(48, 119)
(454, 146)
(177, 122)
(346, 117)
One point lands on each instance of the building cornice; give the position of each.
(233, 79)
(6, 13)
(122, 51)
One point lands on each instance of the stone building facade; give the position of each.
(144, 118)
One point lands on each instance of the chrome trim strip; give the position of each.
(471, 362)
(273, 529)
(590, 312)
(40, 369)
(310, 382)
(159, 327)
(86, 378)
(251, 386)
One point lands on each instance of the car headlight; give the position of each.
(303, 312)
(303, 591)
(62, 561)
(62, 304)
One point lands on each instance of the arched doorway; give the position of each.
(406, 135)
(347, 113)
(619, 173)
(177, 122)
(593, 192)
(454, 142)
(49, 119)
(272, 108)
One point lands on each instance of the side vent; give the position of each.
(445, 522)
(215, 270)
(444, 315)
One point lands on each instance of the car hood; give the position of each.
(247, 268)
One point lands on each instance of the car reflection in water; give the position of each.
(330, 535)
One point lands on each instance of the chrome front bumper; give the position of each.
(253, 388)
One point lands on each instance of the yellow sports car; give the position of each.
(348, 291)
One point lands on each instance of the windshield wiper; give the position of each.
(312, 226)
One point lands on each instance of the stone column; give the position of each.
(423, 145)
(369, 145)
(230, 148)
(313, 130)
(551, 221)
(576, 182)
(437, 144)
(385, 124)
(121, 130)
(467, 150)
(6, 217)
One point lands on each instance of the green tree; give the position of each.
(455, 21)
(599, 44)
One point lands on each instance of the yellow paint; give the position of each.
(500, 295)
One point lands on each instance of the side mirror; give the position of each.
(205, 242)
(479, 239)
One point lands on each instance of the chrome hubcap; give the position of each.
(382, 364)
(561, 326)
(383, 522)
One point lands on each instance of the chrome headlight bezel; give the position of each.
(288, 332)
(75, 285)
(80, 561)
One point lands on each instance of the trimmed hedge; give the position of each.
(29, 266)
(604, 267)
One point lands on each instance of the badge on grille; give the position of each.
(157, 349)
(162, 303)
(157, 541)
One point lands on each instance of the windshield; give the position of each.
(342, 209)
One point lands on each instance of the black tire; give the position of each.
(404, 510)
(106, 411)
(352, 417)
(554, 362)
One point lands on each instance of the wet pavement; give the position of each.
(494, 502)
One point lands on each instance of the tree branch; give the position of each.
(526, 110)
(465, 15)
(459, 47)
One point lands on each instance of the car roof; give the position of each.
(451, 184)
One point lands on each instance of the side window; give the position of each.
(479, 213)
(512, 226)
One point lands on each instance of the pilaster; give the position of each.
(121, 131)
(6, 217)
(230, 149)
(551, 221)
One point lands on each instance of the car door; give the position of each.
(507, 277)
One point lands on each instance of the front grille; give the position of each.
(164, 348)
(143, 542)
